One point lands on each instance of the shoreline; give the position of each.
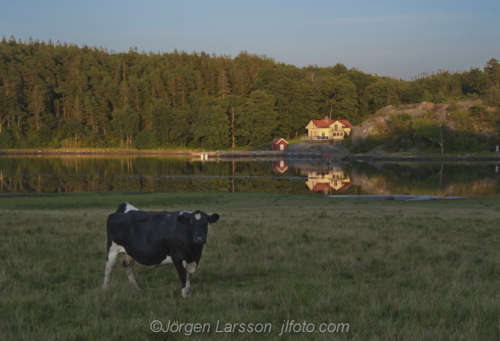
(96, 152)
(245, 155)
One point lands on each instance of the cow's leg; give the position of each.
(128, 264)
(110, 262)
(190, 269)
(113, 252)
(183, 276)
(187, 289)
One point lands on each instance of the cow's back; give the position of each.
(142, 234)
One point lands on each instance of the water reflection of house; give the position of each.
(280, 166)
(328, 179)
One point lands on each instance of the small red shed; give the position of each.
(279, 144)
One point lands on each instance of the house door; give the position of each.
(282, 147)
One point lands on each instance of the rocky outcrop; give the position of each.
(381, 118)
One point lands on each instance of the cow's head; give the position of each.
(198, 224)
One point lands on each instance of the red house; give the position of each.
(279, 144)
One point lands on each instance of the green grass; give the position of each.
(391, 270)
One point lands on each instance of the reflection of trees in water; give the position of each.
(441, 179)
(63, 184)
(147, 174)
(156, 174)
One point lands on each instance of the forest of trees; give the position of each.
(55, 95)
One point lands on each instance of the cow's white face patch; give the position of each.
(197, 216)
(130, 208)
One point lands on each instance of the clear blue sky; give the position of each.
(397, 38)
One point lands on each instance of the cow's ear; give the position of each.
(213, 218)
(183, 220)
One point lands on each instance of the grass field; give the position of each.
(375, 270)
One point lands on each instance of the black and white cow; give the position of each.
(157, 238)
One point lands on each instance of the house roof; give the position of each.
(275, 141)
(325, 123)
(322, 187)
(346, 186)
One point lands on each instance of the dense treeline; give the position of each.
(62, 95)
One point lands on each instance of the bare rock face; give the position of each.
(381, 118)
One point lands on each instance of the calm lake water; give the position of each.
(297, 176)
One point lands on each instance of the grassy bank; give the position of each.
(112, 151)
(92, 151)
(391, 270)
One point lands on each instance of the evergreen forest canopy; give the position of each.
(56, 95)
